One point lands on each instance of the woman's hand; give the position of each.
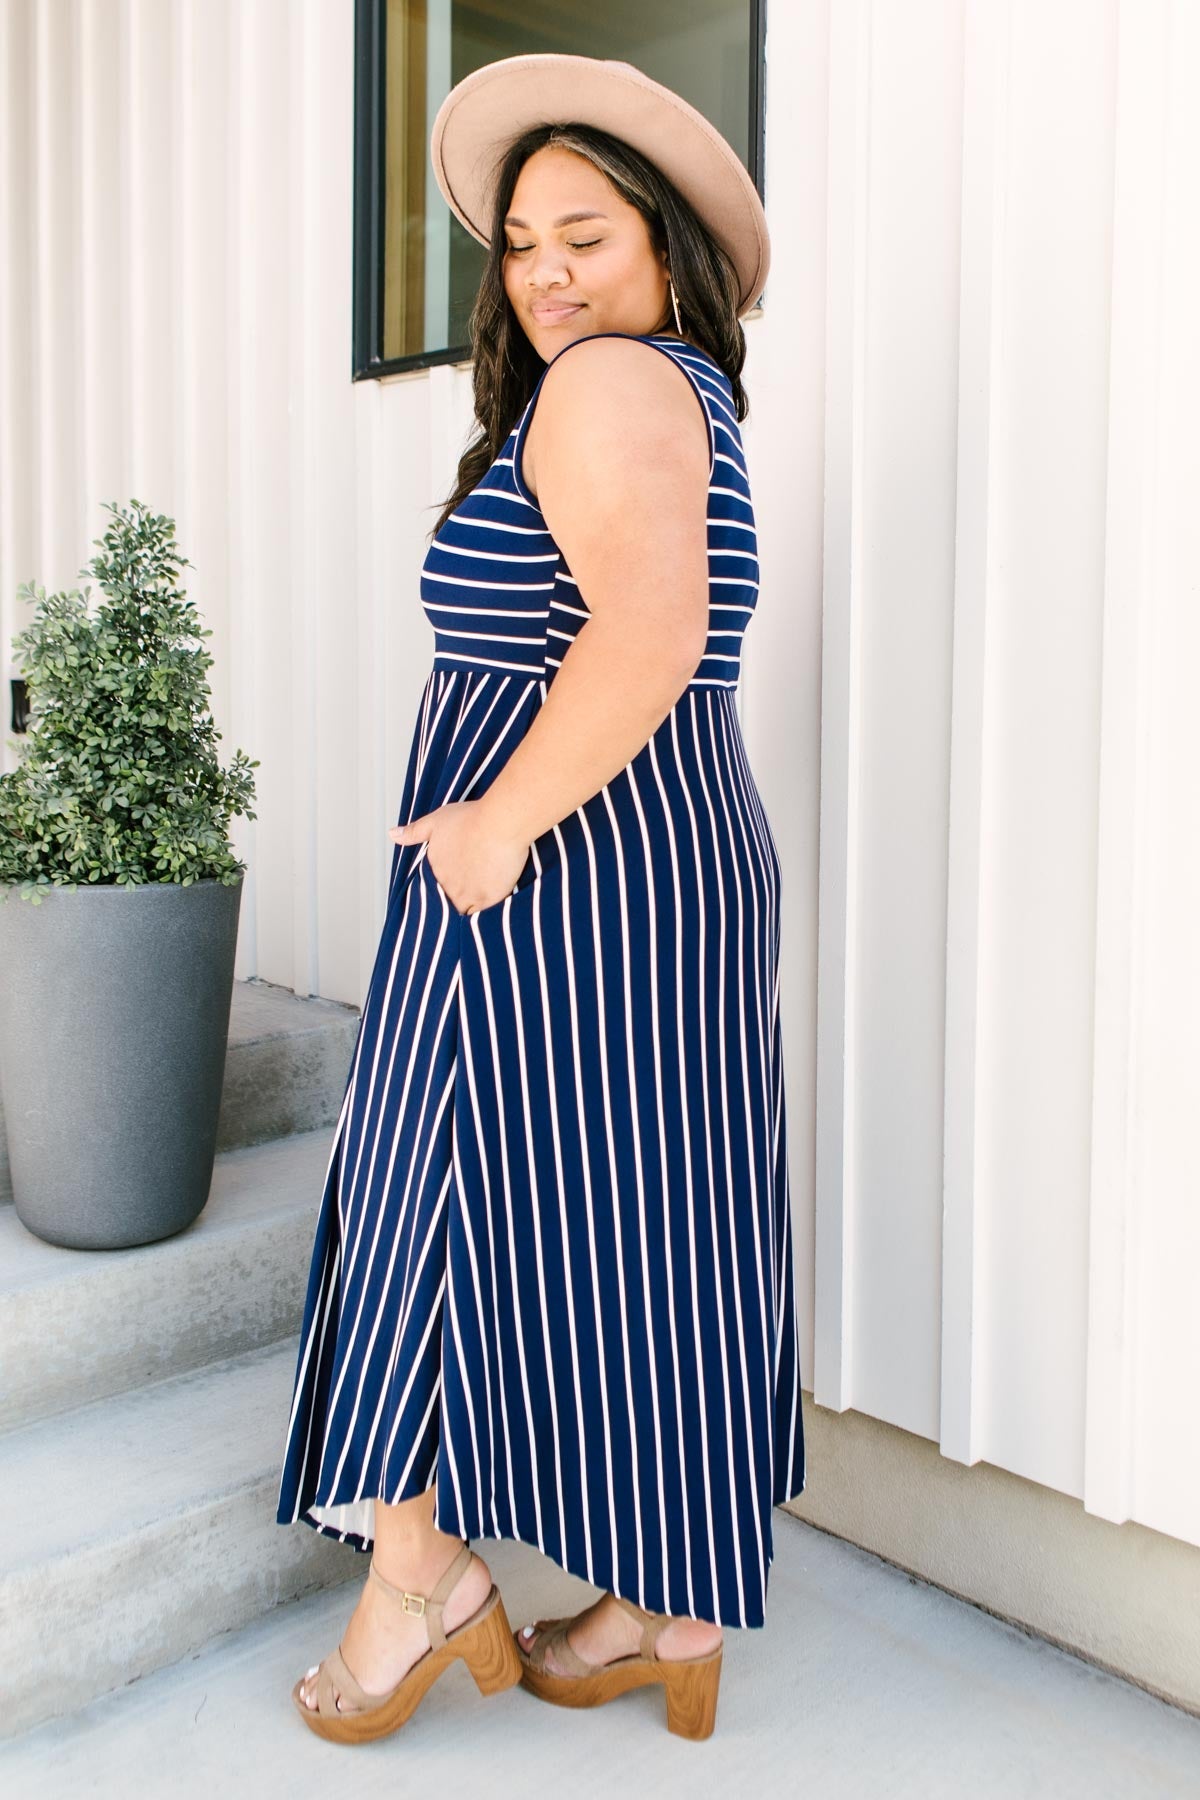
(475, 866)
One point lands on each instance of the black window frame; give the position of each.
(368, 362)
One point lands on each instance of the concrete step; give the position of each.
(78, 1325)
(139, 1527)
(285, 1069)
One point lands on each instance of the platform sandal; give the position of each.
(484, 1641)
(691, 1682)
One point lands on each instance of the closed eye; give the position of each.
(519, 249)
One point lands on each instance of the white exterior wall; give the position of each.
(974, 445)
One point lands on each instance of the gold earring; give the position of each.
(675, 304)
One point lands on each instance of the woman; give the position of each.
(551, 1293)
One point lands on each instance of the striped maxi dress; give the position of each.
(552, 1269)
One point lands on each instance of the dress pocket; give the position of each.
(526, 881)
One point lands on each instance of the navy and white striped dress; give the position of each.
(553, 1257)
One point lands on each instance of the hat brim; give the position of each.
(488, 108)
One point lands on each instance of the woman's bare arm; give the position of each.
(622, 481)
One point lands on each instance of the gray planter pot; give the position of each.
(114, 1021)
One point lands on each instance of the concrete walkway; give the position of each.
(866, 1684)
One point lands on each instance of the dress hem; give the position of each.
(362, 1546)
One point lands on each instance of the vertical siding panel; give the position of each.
(783, 436)
(375, 796)
(55, 89)
(906, 605)
(102, 413)
(1129, 602)
(201, 90)
(407, 418)
(18, 548)
(200, 101)
(841, 694)
(152, 308)
(414, 442)
(1164, 1098)
(331, 475)
(243, 252)
(1041, 750)
(258, 400)
(305, 147)
(981, 378)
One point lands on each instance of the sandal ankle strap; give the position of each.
(652, 1625)
(430, 1605)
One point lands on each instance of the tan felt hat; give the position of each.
(494, 104)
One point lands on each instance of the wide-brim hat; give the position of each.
(483, 112)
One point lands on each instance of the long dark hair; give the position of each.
(506, 367)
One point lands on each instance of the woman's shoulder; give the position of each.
(611, 349)
(623, 369)
(617, 395)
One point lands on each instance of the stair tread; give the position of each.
(260, 1010)
(248, 1183)
(109, 1469)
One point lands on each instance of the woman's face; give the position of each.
(569, 277)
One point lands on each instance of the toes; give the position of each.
(310, 1700)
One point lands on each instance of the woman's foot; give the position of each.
(381, 1643)
(605, 1631)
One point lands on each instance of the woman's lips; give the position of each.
(550, 315)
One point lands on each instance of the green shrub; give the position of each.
(119, 780)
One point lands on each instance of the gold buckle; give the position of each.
(418, 1608)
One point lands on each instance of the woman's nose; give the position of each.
(547, 269)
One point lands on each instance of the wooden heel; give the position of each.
(490, 1653)
(692, 1696)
